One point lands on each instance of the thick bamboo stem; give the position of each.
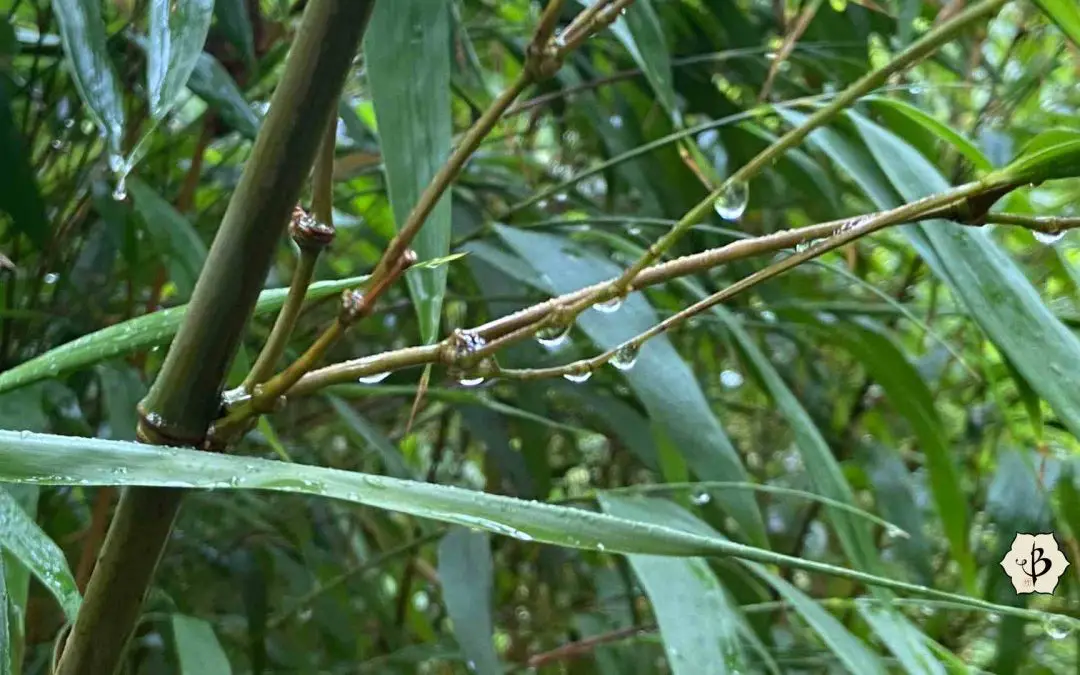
(186, 395)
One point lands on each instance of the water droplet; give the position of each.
(802, 246)
(616, 121)
(578, 375)
(731, 203)
(600, 547)
(1058, 627)
(87, 127)
(304, 615)
(57, 144)
(51, 278)
(731, 379)
(1048, 238)
(701, 498)
(120, 192)
(608, 306)
(471, 381)
(373, 378)
(894, 532)
(625, 357)
(553, 336)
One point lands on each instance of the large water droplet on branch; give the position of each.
(625, 357)
(731, 203)
(1058, 627)
(471, 381)
(553, 335)
(1048, 238)
(373, 378)
(608, 306)
(578, 375)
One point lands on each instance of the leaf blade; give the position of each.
(466, 574)
(177, 34)
(23, 539)
(197, 647)
(411, 94)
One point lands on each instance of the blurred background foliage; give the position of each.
(862, 374)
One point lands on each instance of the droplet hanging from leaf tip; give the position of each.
(731, 203)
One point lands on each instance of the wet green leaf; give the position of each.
(408, 67)
(212, 83)
(172, 233)
(82, 31)
(139, 333)
(177, 33)
(1064, 13)
(466, 575)
(232, 19)
(22, 538)
(197, 648)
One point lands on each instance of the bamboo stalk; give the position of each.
(185, 397)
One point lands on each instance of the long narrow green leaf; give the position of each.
(1066, 14)
(232, 19)
(7, 652)
(640, 31)
(995, 290)
(681, 588)
(20, 536)
(660, 379)
(197, 648)
(936, 128)
(82, 32)
(177, 33)
(466, 575)
(393, 462)
(911, 397)
(212, 83)
(17, 576)
(407, 54)
(19, 194)
(139, 333)
(46, 459)
(902, 638)
(173, 233)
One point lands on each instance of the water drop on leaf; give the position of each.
(625, 357)
(1048, 238)
(731, 203)
(701, 498)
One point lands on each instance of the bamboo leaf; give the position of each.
(82, 32)
(935, 128)
(408, 65)
(19, 194)
(46, 459)
(197, 648)
(212, 83)
(232, 19)
(139, 333)
(173, 233)
(22, 538)
(902, 638)
(997, 294)
(679, 588)
(909, 394)
(660, 379)
(466, 574)
(1064, 13)
(640, 31)
(1046, 162)
(393, 462)
(7, 651)
(177, 33)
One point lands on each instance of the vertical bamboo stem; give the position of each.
(185, 397)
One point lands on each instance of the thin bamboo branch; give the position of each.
(914, 53)
(964, 206)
